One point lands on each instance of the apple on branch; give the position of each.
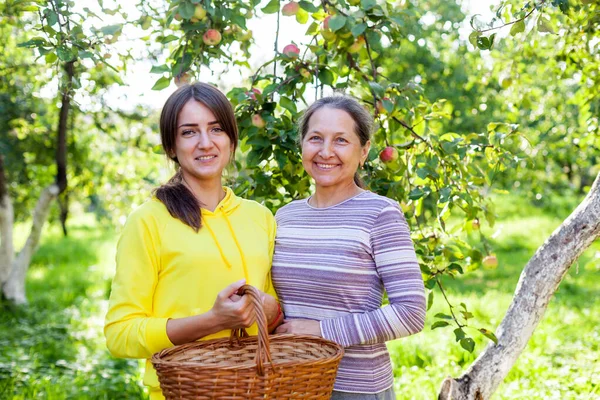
(388, 155)
(257, 121)
(211, 37)
(290, 9)
(291, 50)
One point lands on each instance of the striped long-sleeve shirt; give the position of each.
(333, 264)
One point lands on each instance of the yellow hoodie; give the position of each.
(166, 270)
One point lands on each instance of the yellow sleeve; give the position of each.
(130, 328)
(272, 228)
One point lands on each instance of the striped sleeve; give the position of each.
(397, 266)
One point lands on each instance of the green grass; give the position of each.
(562, 359)
(54, 348)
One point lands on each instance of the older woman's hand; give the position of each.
(300, 327)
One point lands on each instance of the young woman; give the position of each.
(337, 251)
(184, 253)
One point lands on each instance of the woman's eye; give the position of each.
(314, 138)
(217, 129)
(187, 133)
(341, 140)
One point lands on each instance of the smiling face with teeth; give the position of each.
(202, 147)
(332, 150)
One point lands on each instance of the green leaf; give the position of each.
(337, 22)
(51, 57)
(368, 4)
(288, 104)
(544, 26)
(111, 29)
(65, 54)
(326, 76)
(51, 17)
(416, 194)
(492, 37)
(517, 27)
(490, 335)
(439, 324)
(161, 83)
(429, 300)
(34, 42)
(377, 89)
(473, 38)
(459, 334)
(186, 10)
(443, 316)
(272, 7)
(302, 16)
(308, 6)
(430, 283)
(358, 30)
(468, 344)
(313, 29)
(159, 69)
(483, 43)
(168, 39)
(239, 20)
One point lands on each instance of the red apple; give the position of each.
(326, 22)
(490, 261)
(290, 9)
(291, 50)
(212, 37)
(257, 121)
(388, 155)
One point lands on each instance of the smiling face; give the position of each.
(331, 149)
(202, 147)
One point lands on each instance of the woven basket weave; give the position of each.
(250, 367)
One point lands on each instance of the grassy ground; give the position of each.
(54, 349)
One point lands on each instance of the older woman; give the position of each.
(337, 251)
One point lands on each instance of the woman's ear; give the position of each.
(364, 152)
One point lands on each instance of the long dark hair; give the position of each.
(179, 200)
(363, 122)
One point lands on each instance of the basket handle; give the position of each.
(263, 352)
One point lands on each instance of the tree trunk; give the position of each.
(61, 144)
(14, 288)
(6, 227)
(538, 282)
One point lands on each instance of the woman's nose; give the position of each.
(204, 141)
(326, 151)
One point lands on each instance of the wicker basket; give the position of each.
(250, 367)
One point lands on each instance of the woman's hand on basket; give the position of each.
(300, 327)
(231, 310)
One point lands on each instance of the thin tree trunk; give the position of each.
(6, 227)
(14, 287)
(538, 283)
(61, 145)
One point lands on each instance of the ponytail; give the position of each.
(180, 201)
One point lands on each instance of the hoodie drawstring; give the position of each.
(237, 244)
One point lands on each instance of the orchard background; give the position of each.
(487, 134)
